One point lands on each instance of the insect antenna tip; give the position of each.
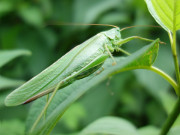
(162, 42)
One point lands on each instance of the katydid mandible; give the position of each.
(78, 63)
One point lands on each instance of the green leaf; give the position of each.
(174, 131)
(66, 96)
(110, 91)
(31, 14)
(166, 13)
(149, 130)
(110, 126)
(8, 83)
(153, 80)
(8, 55)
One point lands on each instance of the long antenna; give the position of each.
(57, 23)
(142, 26)
(139, 26)
(92, 24)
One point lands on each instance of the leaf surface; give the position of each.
(148, 130)
(110, 126)
(8, 83)
(6, 56)
(166, 13)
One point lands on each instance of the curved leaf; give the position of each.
(110, 126)
(7, 83)
(166, 13)
(148, 130)
(31, 15)
(66, 96)
(174, 131)
(8, 55)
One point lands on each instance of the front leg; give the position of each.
(123, 41)
(106, 48)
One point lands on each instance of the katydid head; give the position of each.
(114, 35)
(116, 41)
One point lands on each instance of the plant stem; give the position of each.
(165, 76)
(171, 119)
(176, 110)
(159, 72)
(174, 52)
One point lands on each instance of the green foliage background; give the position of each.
(140, 96)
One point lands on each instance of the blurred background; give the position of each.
(140, 96)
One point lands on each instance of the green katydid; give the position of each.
(78, 63)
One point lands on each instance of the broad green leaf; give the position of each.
(66, 96)
(174, 131)
(166, 13)
(8, 83)
(110, 126)
(148, 130)
(8, 55)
